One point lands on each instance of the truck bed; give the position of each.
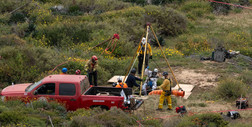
(109, 91)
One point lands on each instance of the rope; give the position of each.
(111, 44)
(164, 56)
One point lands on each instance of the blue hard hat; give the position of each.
(64, 70)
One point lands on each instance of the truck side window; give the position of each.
(67, 89)
(47, 89)
(84, 85)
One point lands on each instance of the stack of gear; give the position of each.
(220, 54)
(233, 114)
(242, 103)
(151, 80)
(181, 110)
(231, 53)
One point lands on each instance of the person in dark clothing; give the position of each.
(131, 80)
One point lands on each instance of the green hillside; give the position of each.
(38, 35)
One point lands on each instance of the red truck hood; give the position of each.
(17, 89)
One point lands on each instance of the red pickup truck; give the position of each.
(73, 91)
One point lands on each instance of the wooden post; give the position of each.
(143, 66)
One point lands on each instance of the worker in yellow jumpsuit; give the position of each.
(166, 94)
(140, 51)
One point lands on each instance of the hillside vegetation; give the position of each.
(45, 33)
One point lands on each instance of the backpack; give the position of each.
(181, 109)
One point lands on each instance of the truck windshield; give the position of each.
(32, 86)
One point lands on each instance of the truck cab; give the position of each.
(73, 91)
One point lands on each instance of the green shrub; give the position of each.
(244, 2)
(50, 1)
(3, 108)
(231, 89)
(162, 2)
(32, 121)
(42, 15)
(152, 123)
(219, 8)
(197, 105)
(56, 107)
(208, 119)
(160, 40)
(10, 5)
(96, 117)
(74, 9)
(25, 63)
(170, 22)
(196, 9)
(64, 34)
(192, 44)
(17, 17)
(246, 76)
(237, 10)
(11, 117)
(94, 6)
(11, 40)
(14, 104)
(139, 2)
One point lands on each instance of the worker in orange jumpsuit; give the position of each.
(120, 84)
(166, 93)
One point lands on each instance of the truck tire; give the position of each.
(103, 107)
(3, 98)
(43, 99)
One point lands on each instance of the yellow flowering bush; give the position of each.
(169, 52)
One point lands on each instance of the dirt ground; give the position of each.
(202, 78)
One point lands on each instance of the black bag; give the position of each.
(167, 92)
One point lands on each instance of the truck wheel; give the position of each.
(100, 106)
(3, 98)
(43, 99)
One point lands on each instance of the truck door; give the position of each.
(68, 95)
(45, 92)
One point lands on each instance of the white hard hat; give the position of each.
(156, 70)
(119, 79)
(143, 40)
